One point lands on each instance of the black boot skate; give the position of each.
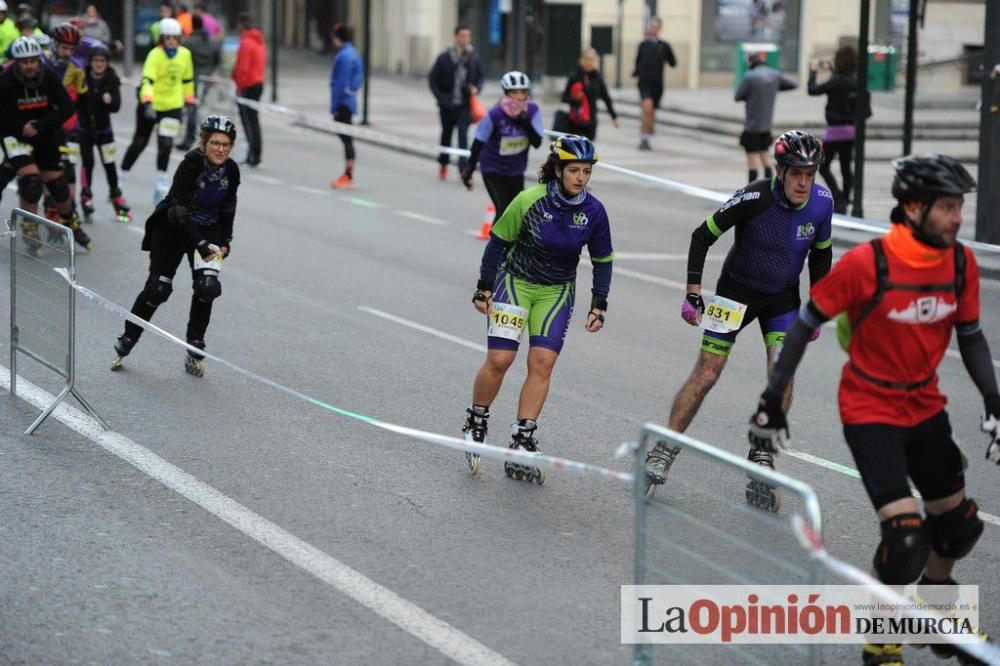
(658, 463)
(87, 205)
(760, 494)
(194, 364)
(475, 431)
(79, 235)
(122, 211)
(123, 345)
(523, 437)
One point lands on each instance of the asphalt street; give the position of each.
(361, 300)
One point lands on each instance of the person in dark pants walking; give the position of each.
(456, 76)
(248, 74)
(649, 59)
(841, 91)
(759, 89)
(345, 82)
(205, 56)
(583, 88)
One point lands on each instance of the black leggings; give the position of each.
(502, 190)
(251, 123)
(343, 115)
(844, 150)
(167, 247)
(88, 142)
(143, 130)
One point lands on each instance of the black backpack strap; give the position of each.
(881, 282)
(959, 271)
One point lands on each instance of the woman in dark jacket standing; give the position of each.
(195, 219)
(841, 113)
(584, 87)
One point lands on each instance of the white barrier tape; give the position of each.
(484, 450)
(842, 221)
(987, 652)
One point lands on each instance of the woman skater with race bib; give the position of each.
(527, 287)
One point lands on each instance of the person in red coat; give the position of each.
(248, 74)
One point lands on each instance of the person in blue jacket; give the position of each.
(345, 82)
(503, 138)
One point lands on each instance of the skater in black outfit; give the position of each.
(195, 219)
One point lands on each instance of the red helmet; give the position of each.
(66, 33)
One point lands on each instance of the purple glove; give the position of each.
(814, 336)
(692, 308)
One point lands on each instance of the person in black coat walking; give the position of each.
(456, 76)
(841, 92)
(653, 52)
(583, 88)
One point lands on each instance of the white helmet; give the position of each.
(25, 47)
(515, 80)
(3, 6)
(170, 27)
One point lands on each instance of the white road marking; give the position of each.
(423, 218)
(267, 180)
(310, 190)
(406, 615)
(658, 256)
(424, 329)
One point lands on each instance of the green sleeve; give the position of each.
(508, 227)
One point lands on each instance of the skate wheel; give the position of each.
(117, 363)
(540, 477)
(508, 471)
(651, 490)
(194, 367)
(473, 461)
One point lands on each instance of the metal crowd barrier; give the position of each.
(700, 529)
(42, 304)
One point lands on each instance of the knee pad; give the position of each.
(59, 189)
(157, 290)
(955, 532)
(904, 549)
(30, 187)
(206, 285)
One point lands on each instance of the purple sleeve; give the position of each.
(536, 122)
(485, 128)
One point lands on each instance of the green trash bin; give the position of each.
(770, 52)
(882, 63)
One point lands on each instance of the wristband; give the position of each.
(484, 285)
(598, 303)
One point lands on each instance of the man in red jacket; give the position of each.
(248, 74)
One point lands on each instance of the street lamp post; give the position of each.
(860, 119)
(988, 195)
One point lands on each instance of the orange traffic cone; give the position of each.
(484, 229)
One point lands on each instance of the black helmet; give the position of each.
(99, 51)
(796, 148)
(219, 123)
(926, 177)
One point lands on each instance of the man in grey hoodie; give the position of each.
(758, 89)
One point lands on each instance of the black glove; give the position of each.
(598, 304)
(148, 111)
(991, 426)
(523, 119)
(482, 286)
(204, 249)
(467, 177)
(768, 426)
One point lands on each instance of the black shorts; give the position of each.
(45, 152)
(755, 142)
(886, 455)
(653, 91)
(775, 312)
